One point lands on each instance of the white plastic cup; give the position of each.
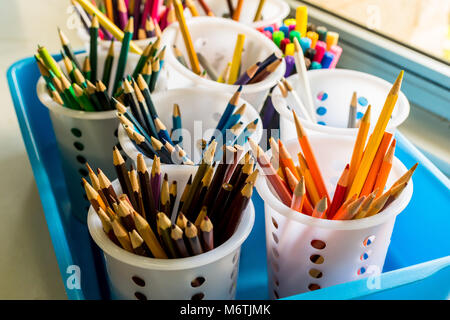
(132, 277)
(332, 91)
(200, 110)
(84, 136)
(274, 11)
(215, 39)
(353, 249)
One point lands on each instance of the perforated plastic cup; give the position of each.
(84, 136)
(211, 275)
(306, 253)
(332, 91)
(274, 11)
(215, 39)
(200, 110)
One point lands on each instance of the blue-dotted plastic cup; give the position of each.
(332, 91)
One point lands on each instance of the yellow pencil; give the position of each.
(195, 65)
(236, 62)
(375, 138)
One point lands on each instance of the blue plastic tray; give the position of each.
(417, 264)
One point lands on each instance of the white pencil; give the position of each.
(301, 71)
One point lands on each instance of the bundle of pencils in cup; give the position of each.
(142, 219)
(231, 73)
(150, 16)
(151, 137)
(82, 87)
(360, 190)
(320, 46)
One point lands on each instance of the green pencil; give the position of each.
(108, 64)
(128, 35)
(93, 31)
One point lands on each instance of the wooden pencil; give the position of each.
(236, 61)
(375, 139)
(164, 225)
(149, 237)
(122, 235)
(192, 238)
(138, 244)
(299, 195)
(237, 10)
(310, 159)
(376, 164)
(280, 187)
(358, 147)
(176, 234)
(320, 209)
(385, 169)
(351, 123)
(207, 234)
(339, 193)
(258, 13)
(187, 37)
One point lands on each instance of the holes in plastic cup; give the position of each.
(368, 241)
(313, 286)
(361, 271)
(315, 273)
(197, 282)
(139, 281)
(76, 132)
(275, 238)
(83, 172)
(275, 266)
(81, 159)
(275, 223)
(198, 296)
(318, 244)
(140, 296)
(78, 145)
(365, 256)
(275, 293)
(275, 252)
(316, 259)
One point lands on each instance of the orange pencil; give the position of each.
(237, 10)
(385, 169)
(299, 195)
(405, 177)
(286, 160)
(343, 208)
(310, 185)
(350, 211)
(311, 159)
(376, 165)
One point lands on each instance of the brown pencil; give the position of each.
(122, 235)
(146, 192)
(138, 244)
(207, 235)
(192, 238)
(176, 234)
(122, 175)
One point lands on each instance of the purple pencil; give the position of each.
(137, 16)
(122, 14)
(247, 75)
(290, 64)
(155, 180)
(269, 111)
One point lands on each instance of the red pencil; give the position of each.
(339, 193)
(271, 174)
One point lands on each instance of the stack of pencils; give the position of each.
(82, 87)
(151, 137)
(150, 16)
(320, 46)
(143, 219)
(231, 74)
(360, 191)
